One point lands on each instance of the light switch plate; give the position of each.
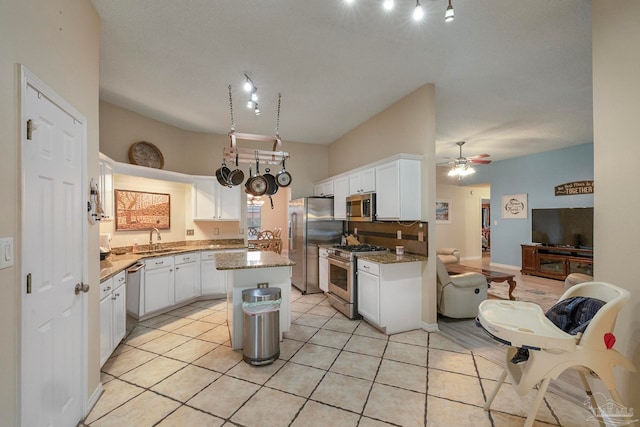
(6, 252)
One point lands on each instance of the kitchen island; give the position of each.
(245, 271)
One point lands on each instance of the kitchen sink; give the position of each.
(158, 251)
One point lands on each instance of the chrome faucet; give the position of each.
(151, 237)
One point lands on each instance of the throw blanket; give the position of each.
(572, 315)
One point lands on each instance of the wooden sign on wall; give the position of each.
(574, 188)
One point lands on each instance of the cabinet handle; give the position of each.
(365, 266)
(108, 288)
(170, 270)
(177, 268)
(160, 263)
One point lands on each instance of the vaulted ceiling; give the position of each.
(512, 77)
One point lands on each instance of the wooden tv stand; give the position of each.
(556, 262)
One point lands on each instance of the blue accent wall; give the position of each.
(536, 175)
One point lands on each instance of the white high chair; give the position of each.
(523, 324)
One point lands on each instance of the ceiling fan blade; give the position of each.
(480, 162)
(479, 156)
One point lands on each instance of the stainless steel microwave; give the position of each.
(361, 207)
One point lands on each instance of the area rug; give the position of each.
(465, 333)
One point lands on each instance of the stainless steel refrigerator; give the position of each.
(311, 224)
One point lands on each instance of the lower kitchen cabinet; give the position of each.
(158, 284)
(113, 314)
(323, 270)
(389, 295)
(213, 282)
(187, 276)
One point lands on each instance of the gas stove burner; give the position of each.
(348, 250)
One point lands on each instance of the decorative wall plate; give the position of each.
(146, 154)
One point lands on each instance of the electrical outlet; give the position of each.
(399, 234)
(190, 232)
(420, 236)
(216, 231)
(6, 252)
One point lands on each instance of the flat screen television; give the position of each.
(563, 227)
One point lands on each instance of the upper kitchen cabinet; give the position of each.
(340, 193)
(323, 189)
(398, 190)
(105, 187)
(363, 181)
(214, 202)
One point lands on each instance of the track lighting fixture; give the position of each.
(418, 12)
(448, 14)
(250, 87)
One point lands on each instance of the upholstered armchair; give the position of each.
(448, 255)
(459, 295)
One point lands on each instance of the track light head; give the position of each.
(448, 14)
(418, 12)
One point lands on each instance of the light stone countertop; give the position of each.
(114, 264)
(251, 259)
(392, 258)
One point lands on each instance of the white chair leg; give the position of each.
(493, 394)
(594, 404)
(536, 403)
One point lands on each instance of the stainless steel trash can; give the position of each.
(261, 325)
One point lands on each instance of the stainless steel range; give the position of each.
(342, 276)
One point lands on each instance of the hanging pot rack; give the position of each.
(250, 155)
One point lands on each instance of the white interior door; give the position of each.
(52, 376)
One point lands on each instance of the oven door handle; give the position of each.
(339, 262)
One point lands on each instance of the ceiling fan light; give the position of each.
(449, 14)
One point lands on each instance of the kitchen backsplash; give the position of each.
(413, 234)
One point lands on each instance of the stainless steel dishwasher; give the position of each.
(135, 276)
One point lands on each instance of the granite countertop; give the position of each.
(116, 263)
(392, 258)
(251, 259)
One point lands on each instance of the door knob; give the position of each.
(81, 287)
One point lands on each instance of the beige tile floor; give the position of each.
(177, 369)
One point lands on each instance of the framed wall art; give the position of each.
(514, 206)
(443, 211)
(137, 210)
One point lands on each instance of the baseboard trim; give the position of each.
(93, 399)
(507, 266)
(430, 327)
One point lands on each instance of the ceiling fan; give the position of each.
(461, 166)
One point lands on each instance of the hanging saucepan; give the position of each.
(257, 184)
(283, 177)
(272, 185)
(236, 176)
(246, 184)
(223, 175)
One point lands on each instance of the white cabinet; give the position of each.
(113, 314)
(340, 193)
(323, 269)
(389, 295)
(212, 281)
(105, 186)
(323, 189)
(187, 276)
(369, 296)
(214, 202)
(397, 190)
(363, 181)
(158, 283)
